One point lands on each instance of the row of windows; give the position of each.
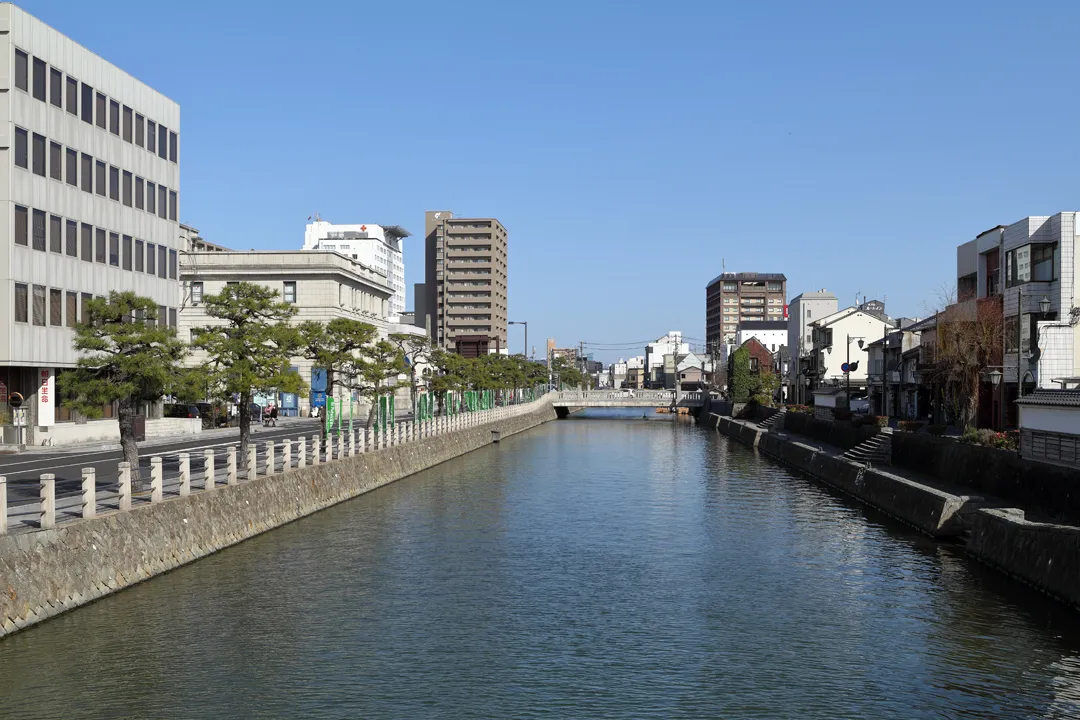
(97, 109)
(39, 305)
(67, 165)
(52, 233)
(288, 291)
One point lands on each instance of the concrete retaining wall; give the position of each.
(161, 427)
(1042, 555)
(47, 572)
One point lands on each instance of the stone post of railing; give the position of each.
(185, 474)
(208, 463)
(316, 451)
(253, 462)
(230, 466)
(157, 479)
(301, 458)
(47, 512)
(3, 506)
(124, 476)
(286, 456)
(271, 460)
(341, 446)
(350, 444)
(89, 495)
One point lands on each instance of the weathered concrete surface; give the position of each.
(928, 509)
(1043, 555)
(47, 572)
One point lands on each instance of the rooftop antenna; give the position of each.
(723, 265)
(857, 294)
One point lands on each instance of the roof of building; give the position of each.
(738, 277)
(762, 325)
(1046, 396)
(821, 294)
(924, 324)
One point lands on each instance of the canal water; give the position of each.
(603, 566)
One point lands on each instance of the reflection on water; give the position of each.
(601, 566)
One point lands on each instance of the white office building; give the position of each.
(90, 192)
(377, 246)
(804, 309)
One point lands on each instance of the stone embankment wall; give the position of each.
(47, 572)
(1043, 555)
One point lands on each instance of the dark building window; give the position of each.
(99, 110)
(56, 87)
(114, 249)
(162, 259)
(22, 226)
(56, 233)
(150, 197)
(72, 167)
(172, 317)
(139, 129)
(99, 245)
(172, 204)
(128, 112)
(172, 264)
(40, 72)
(127, 252)
(73, 238)
(114, 183)
(87, 173)
(87, 103)
(22, 61)
(56, 161)
(162, 199)
(86, 298)
(151, 135)
(38, 158)
(56, 307)
(72, 309)
(39, 305)
(99, 178)
(139, 193)
(289, 292)
(72, 96)
(114, 117)
(151, 266)
(39, 230)
(87, 233)
(127, 188)
(140, 252)
(21, 301)
(22, 150)
(173, 142)
(163, 142)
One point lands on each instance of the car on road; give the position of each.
(180, 411)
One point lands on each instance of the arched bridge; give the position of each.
(627, 399)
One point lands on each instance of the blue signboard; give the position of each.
(318, 398)
(318, 379)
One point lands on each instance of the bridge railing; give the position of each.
(667, 395)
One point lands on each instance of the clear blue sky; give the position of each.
(628, 147)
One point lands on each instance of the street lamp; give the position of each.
(1044, 305)
(526, 324)
(847, 365)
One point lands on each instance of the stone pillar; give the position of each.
(185, 474)
(124, 475)
(253, 462)
(316, 451)
(301, 459)
(89, 494)
(208, 476)
(230, 466)
(271, 459)
(3, 506)
(363, 440)
(157, 479)
(47, 512)
(341, 446)
(286, 456)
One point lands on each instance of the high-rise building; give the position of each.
(377, 246)
(90, 202)
(465, 293)
(732, 297)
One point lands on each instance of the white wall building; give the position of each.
(836, 341)
(377, 246)
(90, 192)
(773, 334)
(669, 344)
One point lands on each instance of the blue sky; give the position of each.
(630, 148)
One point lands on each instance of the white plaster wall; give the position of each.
(1050, 419)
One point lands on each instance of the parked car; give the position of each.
(180, 411)
(860, 405)
(213, 415)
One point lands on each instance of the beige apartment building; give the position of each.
(463, 303)
(734, 297)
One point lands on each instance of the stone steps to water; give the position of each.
(769, 422)
(875, 451)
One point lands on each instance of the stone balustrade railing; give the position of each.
(174, 475)
(626, 395)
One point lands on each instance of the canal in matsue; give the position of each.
(597, 567)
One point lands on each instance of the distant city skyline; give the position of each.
(849, 150)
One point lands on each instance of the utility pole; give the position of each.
(582, 364)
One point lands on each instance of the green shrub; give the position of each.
(971, 435)
(882, 420)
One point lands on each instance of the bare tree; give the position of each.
(967, 341)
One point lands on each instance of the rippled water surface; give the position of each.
(598, 567)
